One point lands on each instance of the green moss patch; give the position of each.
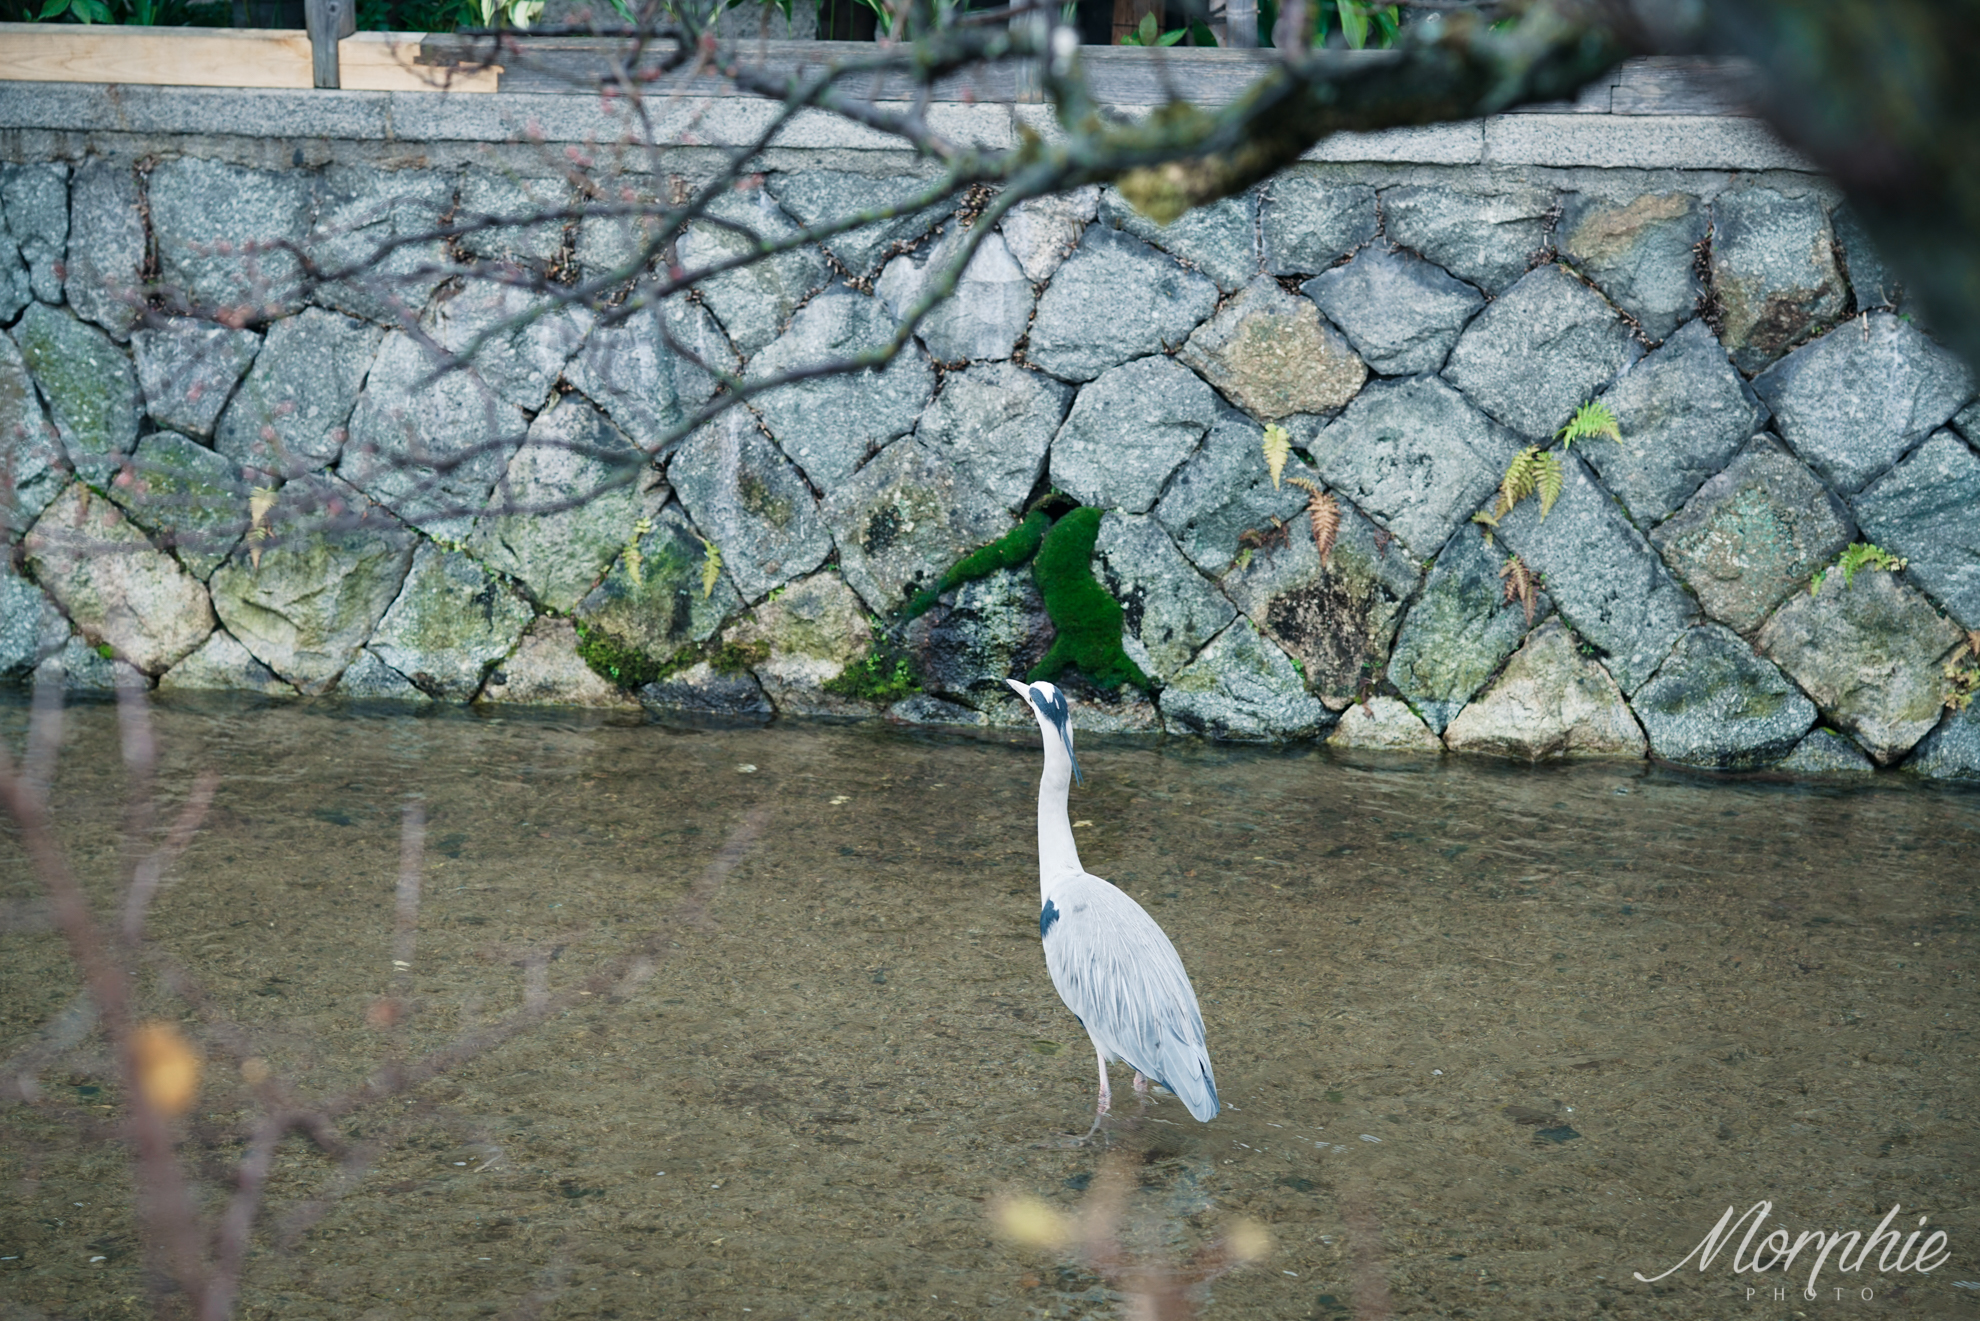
(1006, 552)
(1087, 619)
(628, 667)
(885, 674)
(736, 657)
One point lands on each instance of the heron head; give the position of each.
(1048, 704)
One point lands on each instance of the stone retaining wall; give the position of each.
(1413, 324)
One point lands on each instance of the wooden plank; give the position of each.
(1119, 75)
(410, 62)
(1673, 85)
(179, 57)
(390, 62)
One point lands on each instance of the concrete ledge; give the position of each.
(1646, 142)
(1432, 144)
(1660, 142)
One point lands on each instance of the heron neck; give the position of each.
(1057, 855)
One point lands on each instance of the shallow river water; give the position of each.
(1491, 1039)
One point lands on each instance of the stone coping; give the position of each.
(1660, 142)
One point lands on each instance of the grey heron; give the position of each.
(1112, 965)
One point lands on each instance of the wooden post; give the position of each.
(1241, 23)
(1129, 13)
(329, 22)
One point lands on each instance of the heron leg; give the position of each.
(1106, 1092)
(1140, 1083)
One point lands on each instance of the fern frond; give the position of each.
(1517, 484)
(1520, 585)
(261, 501)
(711, 567)
(1859, 555)
(1278, 448)
(1323, 512)
(1548, 480)
(1592, 419)
(636, 562)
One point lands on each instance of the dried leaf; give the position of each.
(1278, 448)
(1520, 585)
(1323, 513)
(167, 1067)
(261, 502)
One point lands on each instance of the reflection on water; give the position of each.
(1490, 1038)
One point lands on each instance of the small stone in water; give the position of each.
(746, 769)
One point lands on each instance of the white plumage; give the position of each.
(1112, 965)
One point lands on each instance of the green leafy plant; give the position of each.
(711, 567)
(1532, 471)
(1543, 472)
(1591, 419)
(1963, 681)
(1360, 23)
(81, 11)
(1360, 26)
(636, 562)
(510, 13)
(886, 673)
(1859, 555)
(1147, 33)
(892, 17)
(135, 13)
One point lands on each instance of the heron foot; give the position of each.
(1070, 1143)
(1140, 1083)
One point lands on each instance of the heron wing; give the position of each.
(1115, 969)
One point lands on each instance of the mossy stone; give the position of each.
(90, 387)
(650, 616)
(453, 622)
